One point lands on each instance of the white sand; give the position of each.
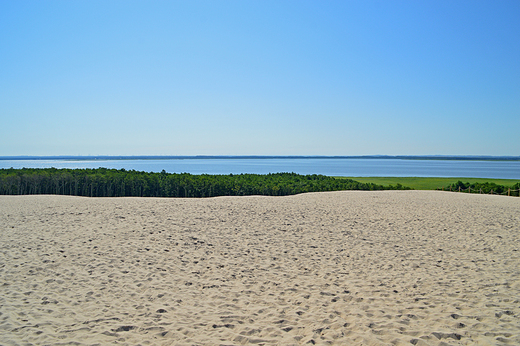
(345, 268)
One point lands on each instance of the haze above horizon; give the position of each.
(268, 78)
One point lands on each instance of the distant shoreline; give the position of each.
(260, 157)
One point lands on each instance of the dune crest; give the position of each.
(370, 268)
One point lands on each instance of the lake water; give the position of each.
(347, 167)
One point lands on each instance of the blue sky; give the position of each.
(259, 77)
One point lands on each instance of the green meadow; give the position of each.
(429, 183)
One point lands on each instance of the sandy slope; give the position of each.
(346, 268)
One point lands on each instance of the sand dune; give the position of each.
(342, 268)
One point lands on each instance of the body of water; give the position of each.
(347, 167)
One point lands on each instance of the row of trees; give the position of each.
(102, 182)
(484, 188)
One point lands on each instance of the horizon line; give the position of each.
(166, 157)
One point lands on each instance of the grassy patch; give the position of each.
(429, 183)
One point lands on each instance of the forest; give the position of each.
(103, 182)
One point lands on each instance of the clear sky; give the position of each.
(259, 77)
